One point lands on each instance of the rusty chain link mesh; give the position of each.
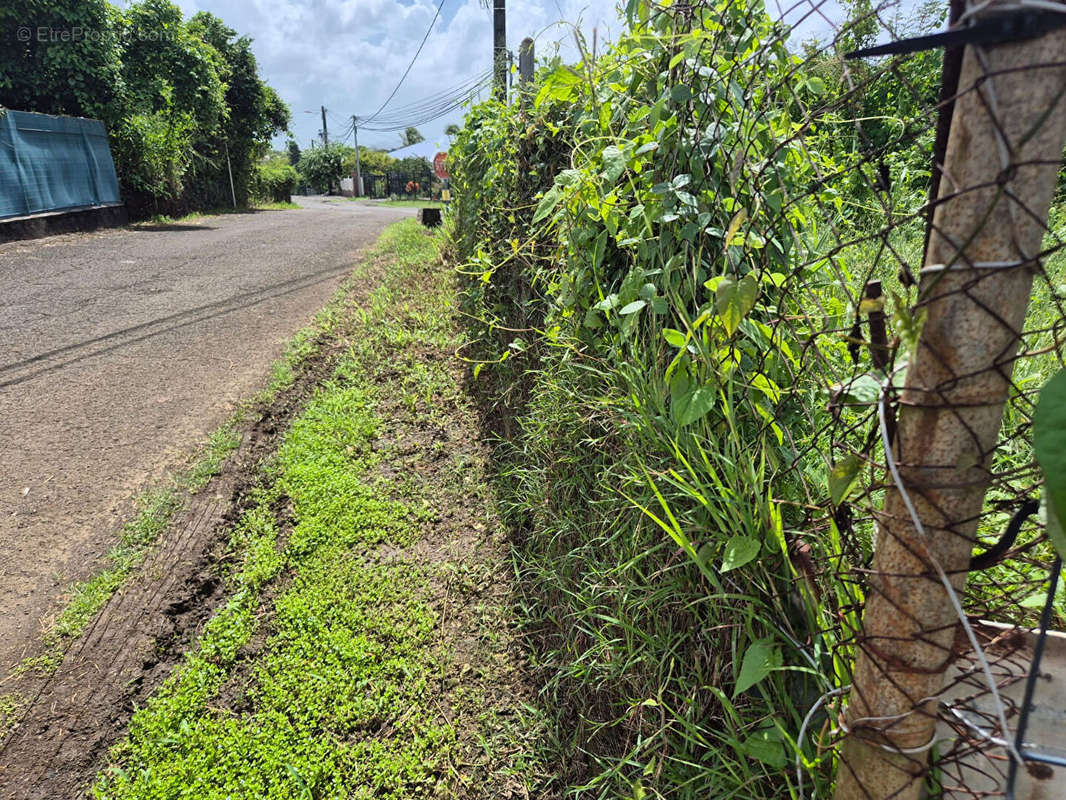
(973, 483)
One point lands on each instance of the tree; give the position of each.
(452, 130)
(294, 152)
(416, 169)
(81, 75)
(179, 72)
(411, 136)
(177, 96)
(371, 162)
(254, 113)
(322, 166)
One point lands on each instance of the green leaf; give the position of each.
(1049, 445)
(694, 404)
(842, 477)
(674, 337)
(766, 746)
(738, 219)
(562, 84)
(614, 163)
(734, 299)
(760, 660)
(592, 320)
(632, 308)
(767, 387)
(739, 550)
(864, 390)
(548, 203)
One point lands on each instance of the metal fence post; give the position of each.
(1004, 154)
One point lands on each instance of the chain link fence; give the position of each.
(923, 290)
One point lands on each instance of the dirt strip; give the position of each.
(80, 710)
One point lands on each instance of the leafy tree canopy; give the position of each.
(179, 97)
(411, 136)
(323, 166)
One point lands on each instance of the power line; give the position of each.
(450, 92)
(434, 102)
(434, 113)
(417, 53)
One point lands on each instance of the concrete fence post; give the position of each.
(1003, 157)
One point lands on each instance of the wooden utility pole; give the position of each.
(499, 48)
(358, 174)
(1003, 157)
(325, 129)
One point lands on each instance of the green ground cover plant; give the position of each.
(363, 650)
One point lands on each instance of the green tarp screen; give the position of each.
(53, 163)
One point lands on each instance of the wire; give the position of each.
(425, 118)
(415, 58)
(444, 111)
(433, 102)
(432, 108)
(430, 102)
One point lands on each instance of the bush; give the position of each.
(322, 167)
(275, 182)
(152, 156)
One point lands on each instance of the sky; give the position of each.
(348, 55)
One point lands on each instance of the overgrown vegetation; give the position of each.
(275, 181)
(663, 255)
(182, 99)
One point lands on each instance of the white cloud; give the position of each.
(348, 54)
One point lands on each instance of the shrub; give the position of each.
(275, 182)
(322, 167)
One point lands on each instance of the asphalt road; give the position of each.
(119, 352)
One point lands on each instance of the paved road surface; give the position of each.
(119, 352)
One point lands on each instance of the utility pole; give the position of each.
(358, 174)
(325, 129)
(499, 48)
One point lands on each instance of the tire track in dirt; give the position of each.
(80, 710)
